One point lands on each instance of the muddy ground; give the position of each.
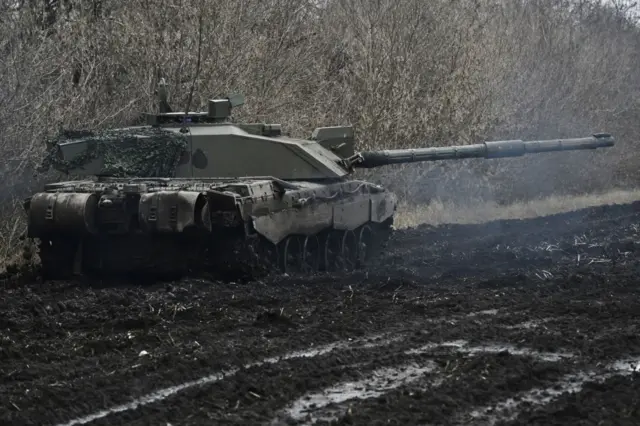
(506, 323)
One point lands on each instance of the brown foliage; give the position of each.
(404, 72)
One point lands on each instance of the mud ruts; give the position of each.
(509, 323)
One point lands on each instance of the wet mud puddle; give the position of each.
(322, 405)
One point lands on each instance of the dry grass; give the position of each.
(20, 259)
(437, 213)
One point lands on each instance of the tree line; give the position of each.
(405, 73)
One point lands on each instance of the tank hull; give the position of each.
(228, 228)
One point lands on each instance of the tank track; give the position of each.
(173, 257)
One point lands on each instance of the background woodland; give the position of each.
(405, 73)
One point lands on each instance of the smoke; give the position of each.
(553, 70)
(441, 213)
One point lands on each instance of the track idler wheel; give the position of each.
(266, 258)
(291, 258)
(348, 259)
(311, 254)
(340, 251)
(367, 246)
(332, 247)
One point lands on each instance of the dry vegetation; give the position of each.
(438, 212)
(405, 72)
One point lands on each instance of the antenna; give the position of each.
(195, 77)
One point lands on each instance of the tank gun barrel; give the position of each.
(494, 149)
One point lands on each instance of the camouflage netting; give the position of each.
(139, 152)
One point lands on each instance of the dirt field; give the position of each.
(507, 323)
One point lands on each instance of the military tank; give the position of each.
(196, 191)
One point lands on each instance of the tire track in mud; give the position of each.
(316, 405)
(435, 398)
(69, 352)
(334, 368)
(358, 349)
(347, 357)
(572, 383)
(162, 394)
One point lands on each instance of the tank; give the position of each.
(197, 192)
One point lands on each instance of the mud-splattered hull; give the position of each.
(171, 227)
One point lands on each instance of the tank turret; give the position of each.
(494, 149)
(210, 144)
